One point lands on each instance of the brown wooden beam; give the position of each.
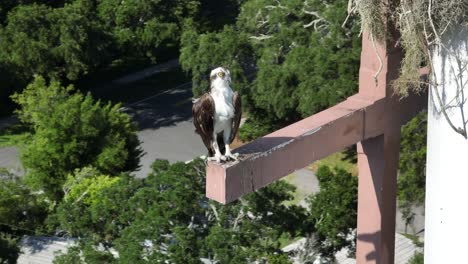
(276, 155)
(294, 147)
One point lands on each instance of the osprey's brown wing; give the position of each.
(236, 101)
(203, 113)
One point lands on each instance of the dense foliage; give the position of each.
(334, 211)
(68, 40)
(70, 131)
(21, 212)
(9, 250)
(412, 176)
(166, 218)
(61, 42)
(417, 258)
(301, 58)
(144, 26)
(19, 207)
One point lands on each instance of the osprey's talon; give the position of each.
(234, 156)
(215, 158)
(224, 158)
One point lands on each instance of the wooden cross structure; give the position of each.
(372, 118)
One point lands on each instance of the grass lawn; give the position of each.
(336, 160)
(135, 91)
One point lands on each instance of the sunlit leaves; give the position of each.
(71, 131)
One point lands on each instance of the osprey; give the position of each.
(217, 115)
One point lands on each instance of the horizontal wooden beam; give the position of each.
(294, 147)
(278, 154)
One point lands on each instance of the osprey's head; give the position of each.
(220, 76)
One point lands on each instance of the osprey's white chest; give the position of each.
(224, 109)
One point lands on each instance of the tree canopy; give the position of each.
(144, 26)
(412, 176)
(289, 59)
(21, 212)
(64, 42)
(71, 131)
(69, 40)
(333, 211)
(166, 217)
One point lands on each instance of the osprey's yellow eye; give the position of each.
(221, 74)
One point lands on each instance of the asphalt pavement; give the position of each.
(165, 127)
(9, 159)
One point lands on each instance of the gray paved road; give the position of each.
(9, 158)
(166, 129)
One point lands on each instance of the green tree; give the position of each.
(84, 253)
(200, 53)
(412, 177)
(21, 212)
(167, 218)
(254, 129)
(333, 211)
(174, 216)
(95, 205)
(9, 250)
(7, 5)
(64, 42)
(303, 58)
(83, 40)
(142, 27)
(72, 40)
(213, 15)
(27, 40)
(417, 258)
(71, 131)
(20, 208)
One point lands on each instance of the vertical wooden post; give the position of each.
(378, 158)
